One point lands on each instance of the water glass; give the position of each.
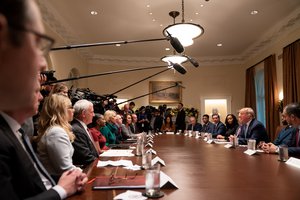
(153, 181)
(251, 144)
(283, 154)
(146, 159)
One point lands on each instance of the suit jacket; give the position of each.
(256, 130)
(18, 177)
(208, 128)
(84, 150)
(293, 149)
(197, 127)
(285, 136)
(219, 129)
(180, 120)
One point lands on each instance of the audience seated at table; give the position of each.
(85, 151)
(289, 136)
(219, 128)
(250, 127)
(107, 127)
(207, 126)
(134, 124)
(122, 130)
(94, 128)
(232, 124)
(55, 135)
(168, 125)
(194, 125)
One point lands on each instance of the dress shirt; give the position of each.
(15, 126)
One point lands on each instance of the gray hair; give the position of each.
(81, 106)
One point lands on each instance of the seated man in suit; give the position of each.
(251, 128)
(22, 45)
(219, 127)
(207, 126)
(290, 136)
(84, 149)
(194, 126)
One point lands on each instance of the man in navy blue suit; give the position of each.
(194, 126)
(292, 115)
(207, 126)
(219, 127)
(251, 128)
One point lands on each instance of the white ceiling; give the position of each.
(225, 21)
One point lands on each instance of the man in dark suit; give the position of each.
(194, 126)
(291, 113)
(180, 118)
(251, 128)
(84, 148)
(219, 128)
(22, 45)
(207, 126)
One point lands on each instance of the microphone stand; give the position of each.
(135, 83)
(103, 74)
(104, 44)
(173, 40)
(176, 85)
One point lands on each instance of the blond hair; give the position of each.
(109, 114)
(55, 113)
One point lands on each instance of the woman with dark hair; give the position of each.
(168, 126)
(232, 124)
(94, 128)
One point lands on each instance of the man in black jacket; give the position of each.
(22, 46)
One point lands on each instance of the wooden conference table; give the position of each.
(210, 172)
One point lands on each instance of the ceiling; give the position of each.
(228, 22)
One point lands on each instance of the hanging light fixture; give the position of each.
(174, 58)
(185, 32)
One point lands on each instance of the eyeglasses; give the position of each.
(45, 44)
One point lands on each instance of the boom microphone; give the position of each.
(193, 61)
(179, 68)
(175, 43)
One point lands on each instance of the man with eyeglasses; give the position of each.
(22, 46)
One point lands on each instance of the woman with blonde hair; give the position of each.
(60, 88)
(55, 136)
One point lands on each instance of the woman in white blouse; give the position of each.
(55, 135)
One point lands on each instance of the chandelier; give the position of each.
(185, 32)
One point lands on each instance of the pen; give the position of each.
(92, 180)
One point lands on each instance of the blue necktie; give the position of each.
(29, 149)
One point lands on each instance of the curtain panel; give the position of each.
(271, 96)
(291, 73)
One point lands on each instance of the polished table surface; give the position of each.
(210, 172)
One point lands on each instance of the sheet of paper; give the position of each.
(293, 162)
(126, 163)
(117, 153)
(228, 146)
(134, 167)
(130, 195)
(250, 152)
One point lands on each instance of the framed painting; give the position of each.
(170, 95)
